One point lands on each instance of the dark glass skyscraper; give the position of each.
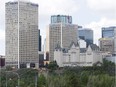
(39, 46)
(86, 34)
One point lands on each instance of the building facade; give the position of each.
(41, 58)
(61, 19)
(82, 43)
(60, 33)
(76, 56)
(21, 34)
(108, 32)
(86, 34)
(2, 61)
(65, 57)
(106, 44)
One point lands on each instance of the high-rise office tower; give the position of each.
(39, 41)
(110, 32)
(21, 34)
(60, 31)
(86, 34)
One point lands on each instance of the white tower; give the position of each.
(21, 34)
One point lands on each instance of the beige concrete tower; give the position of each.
(21, 34)
(60, 31)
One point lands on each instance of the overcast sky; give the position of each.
(92, 14)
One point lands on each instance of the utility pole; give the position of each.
(36, 77)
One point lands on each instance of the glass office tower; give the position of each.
(108, 32)
(61, 19)
(86, 34)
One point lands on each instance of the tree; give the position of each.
(72, 80)
(101, 81)
(52, 66)
(108, 67)
(41, 81)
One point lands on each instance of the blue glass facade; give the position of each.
(108, 32)
(61, 19)
(86, 34)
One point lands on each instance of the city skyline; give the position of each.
(93, 14)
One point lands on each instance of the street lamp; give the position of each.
(14, 73)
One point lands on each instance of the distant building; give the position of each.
(106, 44)
(47, 56)
(2, 61)
(106, 54)
(86, 34)
(115, 42)
(60, 31)
(40, 39)
(75, 56)
(21, 23)
(61, 19)
(108, 32)
(111, 58)
(41, 58)
(82, 43)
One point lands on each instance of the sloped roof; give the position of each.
(64, 50)
(76, 44)
(94, 47)
(58, 47)
(83, 50)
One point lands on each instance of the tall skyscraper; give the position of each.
(21, 34)
(60, 32)
(86, 34)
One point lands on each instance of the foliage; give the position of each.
(96, 76)
(9, 68)
(108, 67)
(101, 81)
(52, 66)
(42, 81)
(72, 80)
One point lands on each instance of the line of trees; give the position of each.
(96, 76)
